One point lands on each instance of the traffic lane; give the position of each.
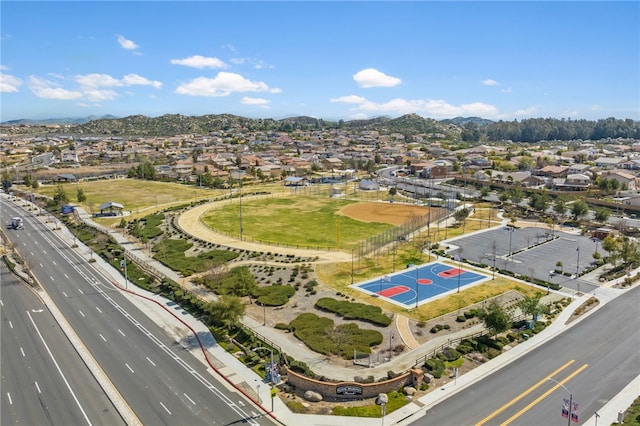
(41, 370)
(137, 368)
(606, 341)
(74, 290)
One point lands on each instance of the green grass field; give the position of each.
(297, 221)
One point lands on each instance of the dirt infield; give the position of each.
(395, 214)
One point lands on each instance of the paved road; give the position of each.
(161, 381)
(44, 380)
(594, 360)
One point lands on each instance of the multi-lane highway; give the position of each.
(159, 379)
(592, 361)
(44, 380)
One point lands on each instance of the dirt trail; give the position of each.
(190, 223)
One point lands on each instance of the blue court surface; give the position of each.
(419, 284)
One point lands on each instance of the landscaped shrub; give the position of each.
(350, 310)
(320, 335)
(274, 295)
(461, 318)
(435, 367)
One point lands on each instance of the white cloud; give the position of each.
(4, 68)
(200, 62)
(136, 80)
(489, 82)
(595, 107)
(351, 99)
(97, 80)
(105, 80)
(275, 90)
(237, 61)
(373, 78)
(100, 94)
(92, 87)
(506, 90)
(223, 84)
(264, 103)
(49, 90)
(434, 108)
(127, 44)
(9, 83)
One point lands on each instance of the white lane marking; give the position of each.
(51, 278)
(59, 370)
(1, 304)
(102, 337)
(10, 401)
(54, 262)
(10, 324)
(190, 400)
(66, 276)
(81, 314)
(65, 294)
(120, 331)
(240, 403)
(38, 387)
(163, 406)
(130, 369)
(80, 290)
(98, 286)
(152, 363)
(98, 309)
(22, 352)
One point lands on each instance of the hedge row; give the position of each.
(354, 311)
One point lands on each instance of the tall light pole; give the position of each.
(570, 410)
(271, 369)
(123, 266)
(240, 208)
(417, 289)
(351, 266)
(578, 263)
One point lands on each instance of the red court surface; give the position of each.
(393, 291)
(425, 281)
(454, 272)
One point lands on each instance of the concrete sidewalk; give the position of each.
(177, 323)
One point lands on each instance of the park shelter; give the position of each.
(110, 208)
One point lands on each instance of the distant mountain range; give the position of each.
(60, 121)
(410, 120)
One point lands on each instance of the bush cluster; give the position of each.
(354, 311)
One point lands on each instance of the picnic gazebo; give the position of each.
(111, 208)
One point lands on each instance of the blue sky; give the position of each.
(331, 60)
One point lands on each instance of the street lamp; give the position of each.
(417, 288)
(351, 266)
(511, 230)
(271, 369)
(123, 267)
(570, 410)
(578, 263)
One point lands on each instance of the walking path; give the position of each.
(182, 326)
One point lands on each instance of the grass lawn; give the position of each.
(133, 194)
(296, 221)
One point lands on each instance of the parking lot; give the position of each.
(533, 252)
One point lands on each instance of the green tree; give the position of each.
(531, 306)
(601, 215)
(59, 195)
(227, 310)
(245, 283)
(80, 195)
(392, 192)
(461, 215)
(539, 201)
(613, 246)
(579, 210)
(495, 318)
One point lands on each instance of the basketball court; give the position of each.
(419, 284)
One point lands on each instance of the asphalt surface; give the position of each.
(157, 377)
(44, 380)
(236, 372)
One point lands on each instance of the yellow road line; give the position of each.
(544, 395)
(522, 395)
